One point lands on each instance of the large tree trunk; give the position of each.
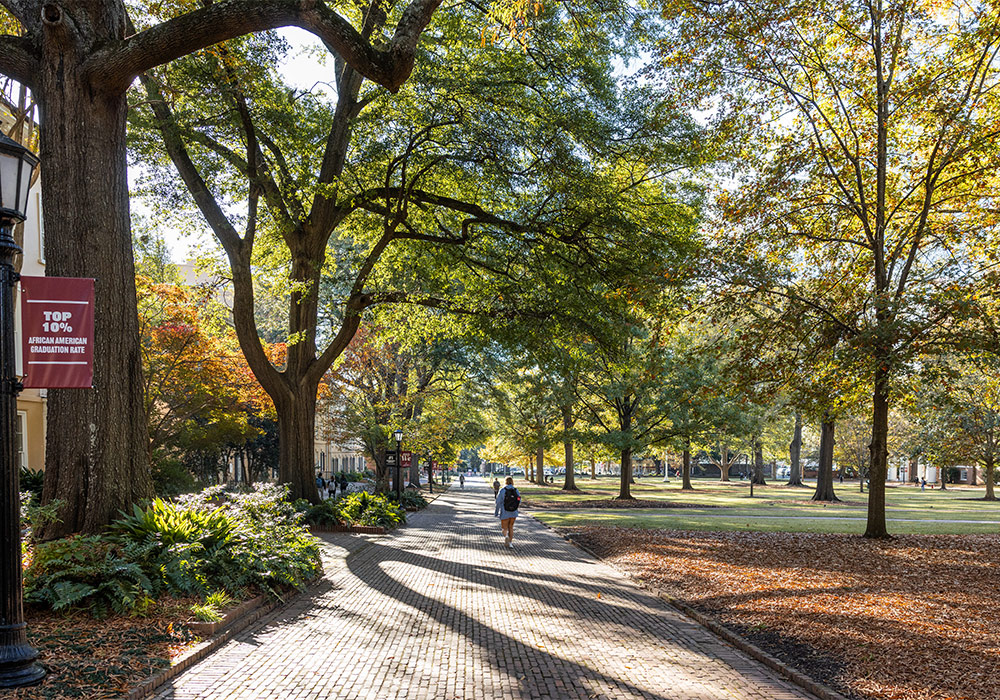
(879, 451)
(296, 430)
(96, 458)
(624, 491)
(593, 468)
(570, 483)
(686, 467)
(795, 453)
(724, 463)
(824, 480)
(540, 466)
(757, 476)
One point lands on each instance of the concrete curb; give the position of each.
(792, 674)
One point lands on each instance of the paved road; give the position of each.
(441, 611)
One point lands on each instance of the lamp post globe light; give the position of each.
(398, 436)
(17, 658)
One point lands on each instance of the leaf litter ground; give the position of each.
(913, 618)
(103, 658)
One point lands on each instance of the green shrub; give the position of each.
(217, 540)
(325, 513)
(375, 510)
(92, 572)
(410, 499)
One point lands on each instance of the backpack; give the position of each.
(511, 500)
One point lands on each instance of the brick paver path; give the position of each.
(440, 610)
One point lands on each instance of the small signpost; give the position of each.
(390, 460)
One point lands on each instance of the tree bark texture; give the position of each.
(824, 480)
(989, 476)
(296, 431)
(570, 482)
(758, 465)
(625, 491)
(593, 469)
(795, 453)
(96, 446)
(540, 466)
(686, 468)
(879, 451)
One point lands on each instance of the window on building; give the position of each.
(963, 474)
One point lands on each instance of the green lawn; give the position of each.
(774, 508)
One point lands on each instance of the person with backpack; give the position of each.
(321, 486)
(508, 503)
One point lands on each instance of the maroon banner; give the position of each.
(57, 331)
(406, 459)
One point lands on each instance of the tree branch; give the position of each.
(123, 61)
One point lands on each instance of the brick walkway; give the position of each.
(439, 610)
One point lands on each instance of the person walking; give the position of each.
(343, 483)
(461, 480)
(508, 503)
(321, 486)
(496, 487)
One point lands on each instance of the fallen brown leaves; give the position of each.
(96, 659)
(914, 618)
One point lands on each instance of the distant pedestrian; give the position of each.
(321, 486)
(841, 477)
(923, 484)
(508, 503)
(343, 483)
(461, 480)
(496, 487)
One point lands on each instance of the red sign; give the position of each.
(406, 459)
(57, 332)
(434, 465)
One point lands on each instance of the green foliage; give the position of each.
(35, 516)
(32, 481)
(410, 499)
(211, 609)
(376, 510)
(91, 572)
(325, 513)
(218, 540)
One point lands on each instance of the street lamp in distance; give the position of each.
(398, 435)
(17, 658)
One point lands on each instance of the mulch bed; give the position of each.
(97, 659)
(913, 618)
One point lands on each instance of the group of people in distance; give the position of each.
(328, 488)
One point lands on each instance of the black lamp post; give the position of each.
(17, 658)
(398, 435)
(430, 474)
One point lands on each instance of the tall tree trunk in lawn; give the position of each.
(570, 483)
(824, 479)
(724, 463)
(989, 475)
(593, 468)
(879, 451)
(686, 467)
(757, 475)
(540, 466)
(96, 439)
(795, 453)
(624, 491)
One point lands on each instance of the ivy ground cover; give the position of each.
(913, 618)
